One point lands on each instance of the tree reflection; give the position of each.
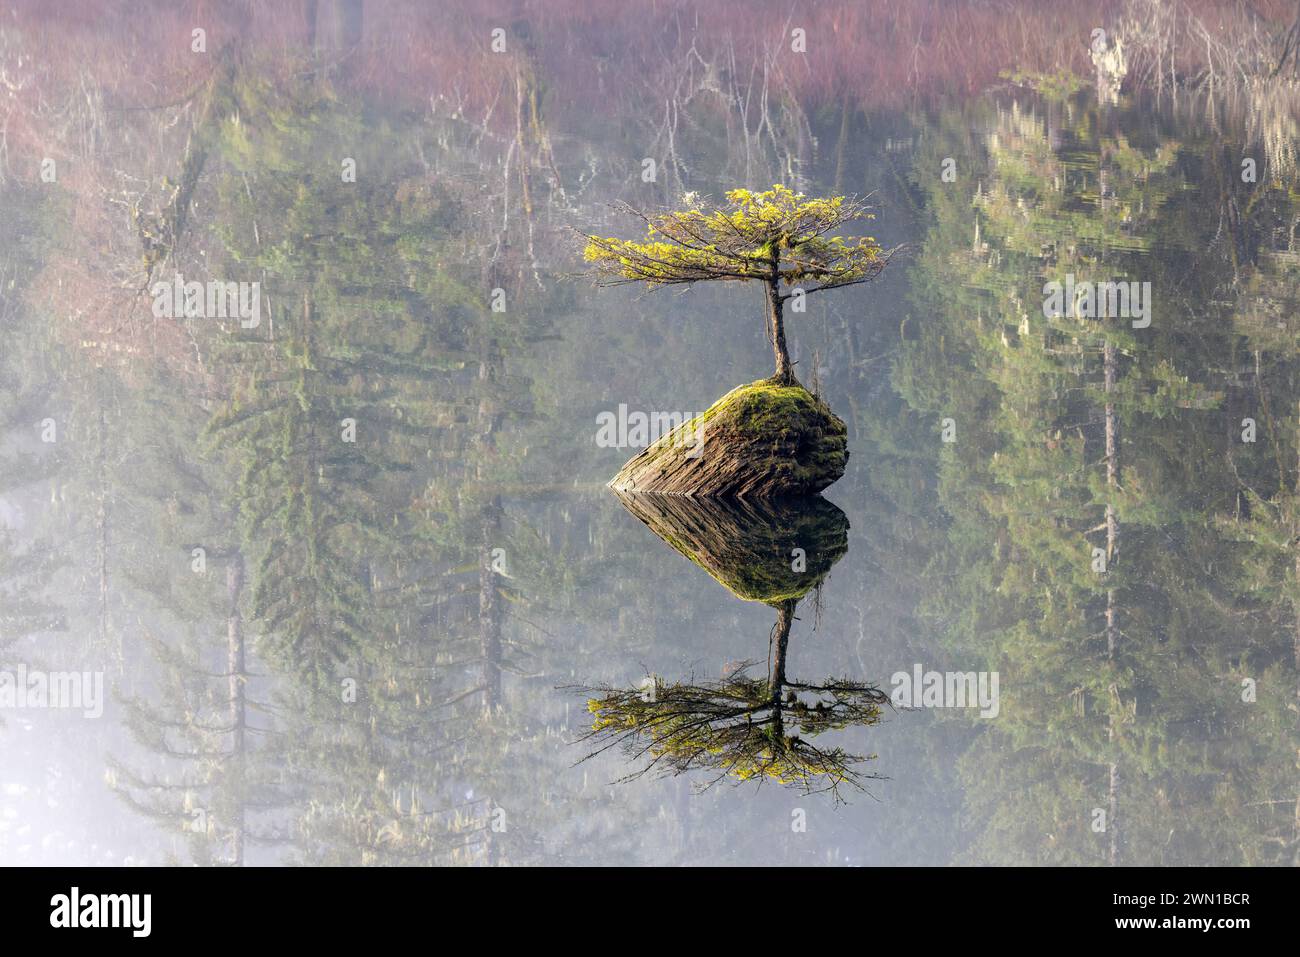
(744, 727)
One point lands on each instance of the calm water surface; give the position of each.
(356, 593)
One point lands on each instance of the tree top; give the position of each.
(775, 236)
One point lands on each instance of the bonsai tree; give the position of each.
(777, 238)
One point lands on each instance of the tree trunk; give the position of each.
(1110, 368)
(101, 523)
(780, 642)
(1110, 363)
(776, 332)
(235, 670)
(776, 675)
(334, 26)
(839, 147)
(1112, 814)
(489, 609)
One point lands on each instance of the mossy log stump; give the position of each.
(762, 440)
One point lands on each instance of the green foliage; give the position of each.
(773, 236)
(1126, 669)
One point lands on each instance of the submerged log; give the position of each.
(762, 440)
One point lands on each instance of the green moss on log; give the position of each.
(762, 440)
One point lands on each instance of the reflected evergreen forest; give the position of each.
(334, 575)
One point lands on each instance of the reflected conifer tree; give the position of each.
(745, 727)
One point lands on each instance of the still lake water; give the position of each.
(349, 573)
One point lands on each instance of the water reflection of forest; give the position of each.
(348, 651)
